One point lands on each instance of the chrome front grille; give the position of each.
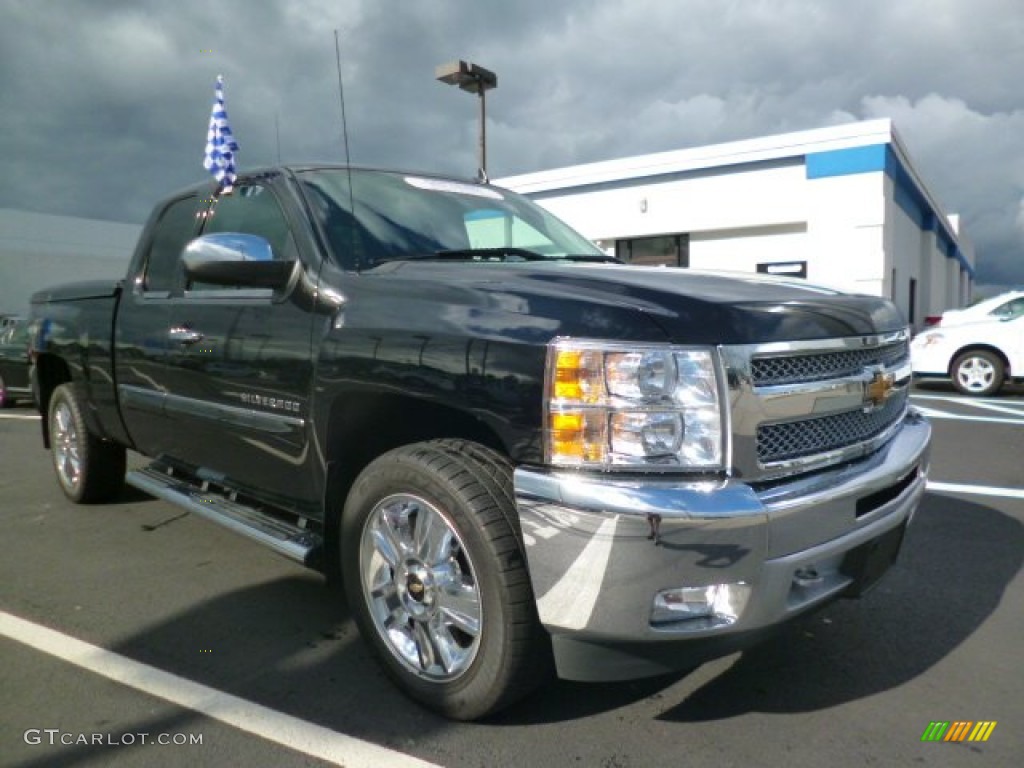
(790, 369)
(808, 437)
(799, 406)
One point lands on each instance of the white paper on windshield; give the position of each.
(446, 185)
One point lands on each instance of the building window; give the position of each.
(667, 250)
(783, 268)
(912, 303)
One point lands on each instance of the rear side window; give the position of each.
(175, 227)
(252, 210)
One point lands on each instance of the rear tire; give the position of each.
(436, 578)
(978, 373)
(89, 470)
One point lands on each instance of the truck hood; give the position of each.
(689, 307)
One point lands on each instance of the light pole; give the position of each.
(475, 79)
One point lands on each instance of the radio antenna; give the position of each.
(348, 156)
(277, 132)
(341, 98)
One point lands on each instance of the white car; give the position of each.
(978, 352)
(1009, 304)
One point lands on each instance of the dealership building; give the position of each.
(842, 206)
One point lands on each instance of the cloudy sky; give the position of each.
(104, 104)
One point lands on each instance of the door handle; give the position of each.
(184, 335)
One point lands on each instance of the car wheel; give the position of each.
(436, 578)
(5, 399)
(978, 372)
(88, 469)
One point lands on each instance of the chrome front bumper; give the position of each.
(601, 547)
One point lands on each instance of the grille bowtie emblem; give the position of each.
(878, 390)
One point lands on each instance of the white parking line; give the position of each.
(933, 413)
(976, 490)
(21, 416)
(986, 405)
(291, 732)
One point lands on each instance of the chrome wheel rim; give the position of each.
(420, 587)
(66, 455)
(976, 374)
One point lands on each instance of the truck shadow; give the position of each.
(129, 495)
(958, 560)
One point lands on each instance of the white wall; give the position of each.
(904, 245)
(961, 286)
(845, 226)
(705, 202)
(741, 250)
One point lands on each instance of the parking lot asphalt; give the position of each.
(134, 618)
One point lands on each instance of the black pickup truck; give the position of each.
(519, 455)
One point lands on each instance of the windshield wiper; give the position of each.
(508, 253)
(524, 254)
(591, 258)
(492, 254)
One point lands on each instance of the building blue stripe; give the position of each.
(845, 162)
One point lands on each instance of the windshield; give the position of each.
(403, 216)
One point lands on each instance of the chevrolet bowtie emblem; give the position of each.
(878, 390)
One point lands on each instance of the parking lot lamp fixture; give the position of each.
(474, 79)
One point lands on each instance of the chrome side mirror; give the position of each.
(236, 259)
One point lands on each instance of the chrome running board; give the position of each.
(285, 538)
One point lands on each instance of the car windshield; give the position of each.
(404, 216)
(1010, 309)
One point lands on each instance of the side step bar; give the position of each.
(290, 540)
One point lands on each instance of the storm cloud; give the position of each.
(104, 103)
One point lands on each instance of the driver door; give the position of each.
(240, 367)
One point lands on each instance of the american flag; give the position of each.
(220, 143)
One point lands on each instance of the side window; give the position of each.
(175, 227)
(253, 210)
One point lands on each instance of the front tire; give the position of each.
(978, 373)
(437, 579)
(89, 470)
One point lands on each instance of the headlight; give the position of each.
(616, 405)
